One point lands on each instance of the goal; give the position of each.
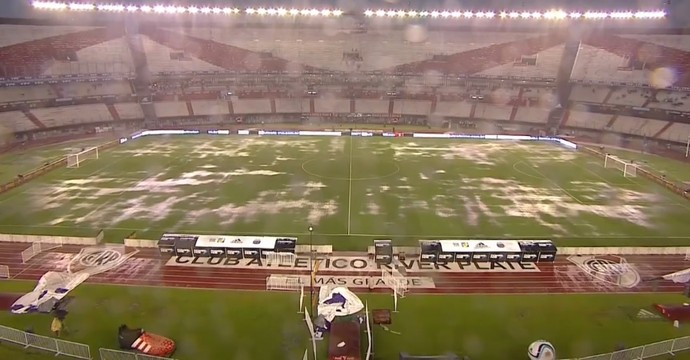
(396, 281)
(74, 160)
(629, 169)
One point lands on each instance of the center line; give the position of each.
(349, 192)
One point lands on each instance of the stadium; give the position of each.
(344, 180)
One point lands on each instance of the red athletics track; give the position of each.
(147, 268)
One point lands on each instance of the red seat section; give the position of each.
(476, 60)
(652, 55)
(223, 55)
(32, 58)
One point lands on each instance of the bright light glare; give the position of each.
(398, 13)
(81, 7)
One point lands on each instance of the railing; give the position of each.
(4, 272)
(67, 348)
(666, 347)
(52, 345)
(659, 179)
(52, 165)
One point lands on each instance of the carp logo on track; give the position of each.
(609, 269)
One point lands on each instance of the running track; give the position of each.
(147, 268)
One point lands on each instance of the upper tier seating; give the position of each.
(59, 54)
(601, 51)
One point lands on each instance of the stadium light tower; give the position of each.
(311, 269)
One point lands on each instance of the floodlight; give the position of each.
(380, 13)
(445, 13)
(401, 13)
(81, 7)
(325, 12)
(281, 12)
(337, 13)
(294, 12)
(412, 13)
(514, 14)
(250, 11)
(435, 14)
(424, 14)
(467, 14)
(621, 15)
(108, 7)
(146, 9)
(217, 10)
(368, 13)
(132, 8)
(391, 13)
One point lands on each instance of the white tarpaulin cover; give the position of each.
(337, 301)
(679, 277)
(54, 286)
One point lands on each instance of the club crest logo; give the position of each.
(609, 269)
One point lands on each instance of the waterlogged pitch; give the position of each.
(350, 189)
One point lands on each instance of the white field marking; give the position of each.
(599, 176)
(447, 236)
(420, 291)
(349, 192)
(522, 172)
(636, 182)
(556, 184)
(85, 217)
(423, 177)
(28, 187)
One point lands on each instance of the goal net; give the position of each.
(629, 169)
(280, 259)
(74, 160)
(287, 283)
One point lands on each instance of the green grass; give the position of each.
(675, 170)
(351, 189)
(252, 325)
(25, 160)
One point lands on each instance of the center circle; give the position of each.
(360, 169)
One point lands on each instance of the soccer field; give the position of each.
(351, 189)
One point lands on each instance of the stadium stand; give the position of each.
(15, 121)
(72, 90)
(72, 115)
(210, 75)
(174, 109)
(27, 93)
(129, 111)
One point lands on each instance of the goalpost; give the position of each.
(74, 160)
(287, 283)
(396, 281)
(629, 169)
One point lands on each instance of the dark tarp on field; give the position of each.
(347, 332)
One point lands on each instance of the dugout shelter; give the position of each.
(466, 251)
(231, 246)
